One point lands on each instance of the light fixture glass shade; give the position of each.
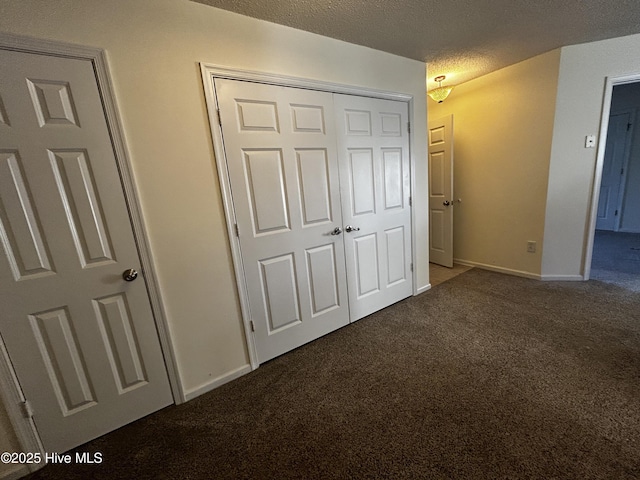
(440, 93)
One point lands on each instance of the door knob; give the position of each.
(446, 203)
(336, 231)
(130, 275)
(349, 228)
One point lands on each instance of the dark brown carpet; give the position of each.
(483, 377)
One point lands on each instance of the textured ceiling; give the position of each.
(462, 39)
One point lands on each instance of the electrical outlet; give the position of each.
(531, 246)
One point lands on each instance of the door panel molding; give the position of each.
(373, 152)
(211, 72)
(440, 164)
(274, 200)
(24, 427)
(618, 184)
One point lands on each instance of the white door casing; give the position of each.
(82, 341)
(610, 83)
(614, 172)
(373, 149)
(281, 157)
(280, 146)
(440, 148)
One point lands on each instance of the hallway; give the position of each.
(616, 259)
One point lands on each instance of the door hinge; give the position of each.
(622, 171)
(27, 409)
(410, 202)
(253, 327)
(237, 229)
(411, 266)
(629, 126)
(219, 117)
(615, 214)
(409, 127)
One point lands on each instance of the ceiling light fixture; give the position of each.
(440, 93)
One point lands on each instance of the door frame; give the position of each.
(610, 82)
(209, 74)
(24, 427)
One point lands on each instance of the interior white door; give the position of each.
(373, 149)
(82, 340)
(281, 157)
(440, 145)
(615, 156)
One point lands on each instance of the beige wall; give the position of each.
(154, 47)
(583, 70)
(503, 124)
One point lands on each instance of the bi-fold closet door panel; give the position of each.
(283, 169)
(294, 193)
(373, 152)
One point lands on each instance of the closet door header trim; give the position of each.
(214, 71)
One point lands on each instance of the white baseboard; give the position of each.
(216, 382)
(562, 278)
(423, 289)
(494, 268)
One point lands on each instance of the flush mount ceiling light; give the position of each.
(440, 93)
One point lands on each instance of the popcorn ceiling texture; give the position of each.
(462, 39)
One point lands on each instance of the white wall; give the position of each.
(583, 70)
(8, 442)
(503, 124)
(625, 98)
(154, 48)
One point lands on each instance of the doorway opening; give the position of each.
(615, 256)
(616, 259)
(439, 274)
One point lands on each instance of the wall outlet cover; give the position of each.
(590, 141)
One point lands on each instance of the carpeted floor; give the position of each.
(616, 259)
(485, 376)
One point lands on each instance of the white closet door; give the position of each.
(82, 340)
(373, 150)
(281, 157)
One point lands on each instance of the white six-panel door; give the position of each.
(440, 145)
(373, 151)
(286, 163)
(612, 186)
(281, 155)
(82, 340)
